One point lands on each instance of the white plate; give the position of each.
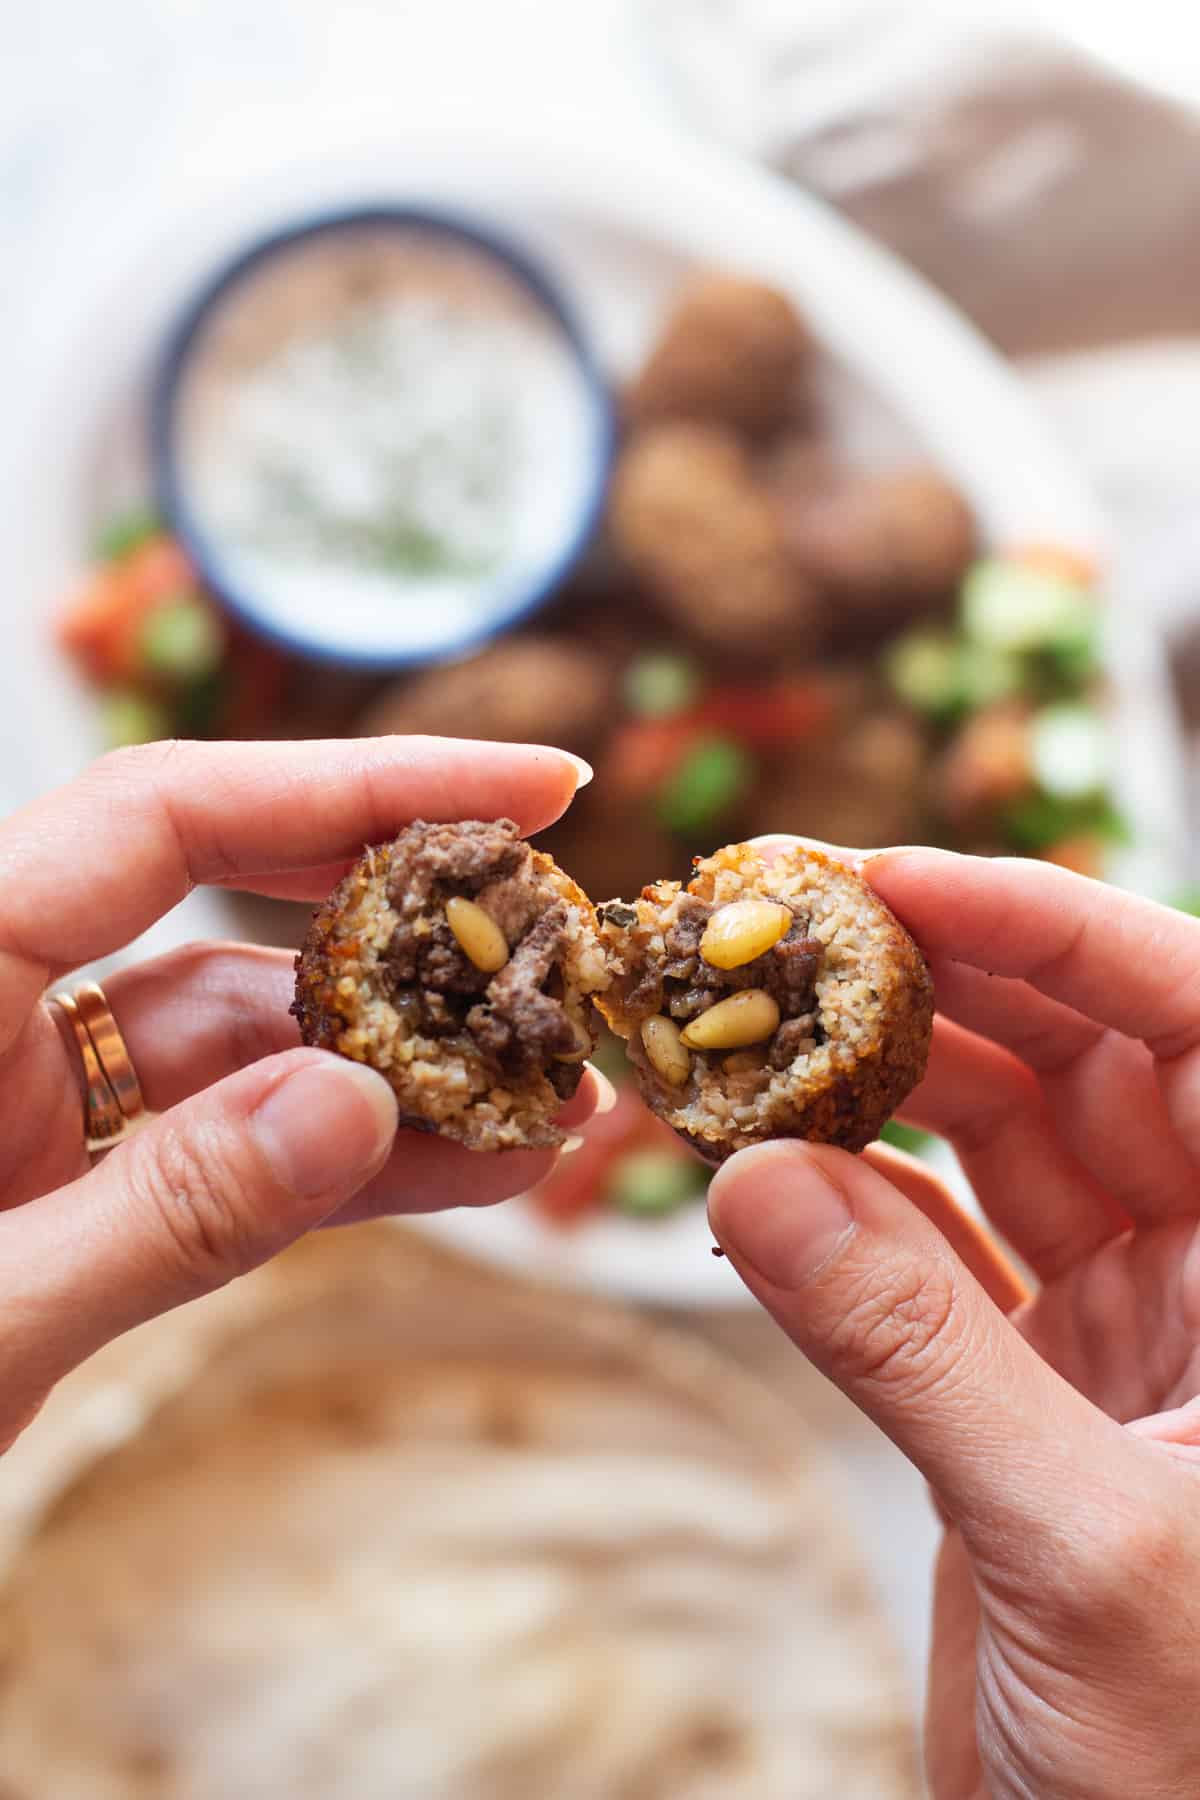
(617, 223)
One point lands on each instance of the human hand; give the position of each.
(259, 1140)
(1060, 1431)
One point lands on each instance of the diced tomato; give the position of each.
(256, 673)
(771, 716)
(1057, 560)
(644, 752)
(1083, 854)
(766, 716)
(102, 628)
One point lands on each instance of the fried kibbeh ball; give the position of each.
(698, 530)
(883, 548)
(733, 351)
(459, 962)
(770, 997)
(863, 780)
(524, 690)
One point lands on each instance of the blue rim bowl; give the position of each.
(509, 604)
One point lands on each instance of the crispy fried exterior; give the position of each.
(529, 689)
(861, 780)
(883, 548)
(733, 351)
(484, 1058)
(699, 531)
(853, 1042)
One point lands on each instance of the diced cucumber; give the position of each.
(183, 640)
(710, 780)
(923, 668)
(652, 1183)
(942, 676)
(1008, 607)
(987, 675)
(1068, 751)
(132, 718)
(657, 685)
(125, 532)
(1043, 820)
(906, 1137)
(1072, 666)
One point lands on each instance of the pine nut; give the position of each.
(750, 1017)
(664, 1047)
(478, 936)
(744, 929)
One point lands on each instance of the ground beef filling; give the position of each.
(819, 1030)
(684, 985)
(515, 1018)
(520, 1023)
(690, 986)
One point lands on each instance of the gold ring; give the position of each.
(112, 1092)
(109, 1046)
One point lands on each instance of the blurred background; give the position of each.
(793, 413)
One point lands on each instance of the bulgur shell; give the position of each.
(858, 1054)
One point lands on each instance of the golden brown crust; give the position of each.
(872, 1019)
(487, 1060)
(316, 1007)
(530, 689)
(697, 528)
(881, 547)
(733, 351)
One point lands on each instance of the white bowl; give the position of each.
(386, 623)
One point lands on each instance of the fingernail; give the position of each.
(606, 1093)
(890, 850)
(778, 1210)
(326, 1128)
(584, 771)
(569, 1145)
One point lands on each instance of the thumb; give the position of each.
(206, 1192)
(875, 1297)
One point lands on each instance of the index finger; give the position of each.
(1127, 962)
(85, 869)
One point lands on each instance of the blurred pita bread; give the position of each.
(401, 1530)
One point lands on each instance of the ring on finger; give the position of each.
(112, 1092)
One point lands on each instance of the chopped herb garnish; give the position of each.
(714, 775)
(616, 912)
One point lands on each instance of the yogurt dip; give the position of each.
(384, 442)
